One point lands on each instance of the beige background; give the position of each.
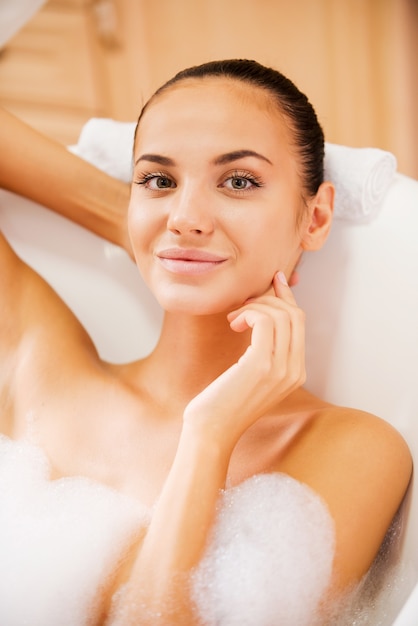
(357, 60)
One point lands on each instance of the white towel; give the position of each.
(361, 176)
(108, 145)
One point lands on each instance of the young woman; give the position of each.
(234, 495)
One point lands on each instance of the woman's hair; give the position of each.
(307, 132)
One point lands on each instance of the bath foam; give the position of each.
(59, 540)
(269, 559)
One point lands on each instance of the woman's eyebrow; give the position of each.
(228, 157)
(155, 158)
(239, 154)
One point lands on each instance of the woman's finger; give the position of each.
(282, 289)
(268, 352)
(271, 304)
(288, 340)
(281, 294)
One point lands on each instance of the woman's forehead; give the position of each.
(219, 103)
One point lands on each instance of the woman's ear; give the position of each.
(318, 223)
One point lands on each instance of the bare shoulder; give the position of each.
(345, 436)
(356, 434)
(357, 447)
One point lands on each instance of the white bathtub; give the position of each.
(360, 294)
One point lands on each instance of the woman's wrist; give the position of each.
(99, 203)
(207, 439)
(188, 500)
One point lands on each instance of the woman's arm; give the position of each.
(158, 591)
(34, 166)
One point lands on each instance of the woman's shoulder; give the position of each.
(347, 430)
(307, 423)
(352, 439)
(314, 440)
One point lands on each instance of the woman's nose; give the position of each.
(190, 212)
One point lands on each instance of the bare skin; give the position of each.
(46, 172)
(221, 397)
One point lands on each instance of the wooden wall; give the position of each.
(357, 60)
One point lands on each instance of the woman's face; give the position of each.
(216, 196)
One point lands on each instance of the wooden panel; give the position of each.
(63, 124)
(352, 58)
(47, 71)
(357, 60)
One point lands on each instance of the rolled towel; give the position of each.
(361, 177)
(107, 144)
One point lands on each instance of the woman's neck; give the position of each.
(191, 353)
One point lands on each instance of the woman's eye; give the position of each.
(160, 182)
(156, 182)
(240, 182)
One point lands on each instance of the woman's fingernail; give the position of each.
(282, 278)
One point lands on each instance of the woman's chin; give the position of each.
(193, 303)
(192, 308)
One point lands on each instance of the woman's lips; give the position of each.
(191, 262)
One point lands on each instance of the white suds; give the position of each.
(59, 540)
(270, 556)
(268, 560)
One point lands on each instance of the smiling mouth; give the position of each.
(189, 262)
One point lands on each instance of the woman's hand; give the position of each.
(270, 369)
